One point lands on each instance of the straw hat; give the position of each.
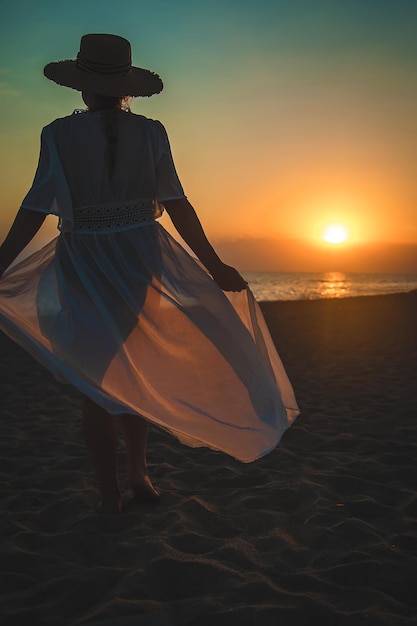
(104, 66)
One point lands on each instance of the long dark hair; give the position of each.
(109, 108)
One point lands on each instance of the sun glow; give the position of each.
(335, 233)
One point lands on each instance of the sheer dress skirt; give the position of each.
(124, 313)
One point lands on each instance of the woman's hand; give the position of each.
(228, 278)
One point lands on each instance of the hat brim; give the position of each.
(137, 81)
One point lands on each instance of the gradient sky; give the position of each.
(283, 116)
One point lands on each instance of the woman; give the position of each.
(117, 307)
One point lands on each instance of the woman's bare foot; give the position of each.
(143, 489)
(135, 429)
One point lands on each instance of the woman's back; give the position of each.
(77, 169)
(83, 150)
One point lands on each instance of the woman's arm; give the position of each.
(188, 225)
(24, 228)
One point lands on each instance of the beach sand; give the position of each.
(321, 531)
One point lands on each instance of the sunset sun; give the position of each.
(335, 233)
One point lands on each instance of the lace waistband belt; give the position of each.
(110, 218)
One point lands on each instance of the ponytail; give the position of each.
(109, 107)
(108, 117)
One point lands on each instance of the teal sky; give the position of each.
(282, 115)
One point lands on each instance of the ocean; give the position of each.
(312, 286)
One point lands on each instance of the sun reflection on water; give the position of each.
(333, 285)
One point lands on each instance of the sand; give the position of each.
(321, 531)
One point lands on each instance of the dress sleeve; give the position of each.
(49, 192)
(168, 185)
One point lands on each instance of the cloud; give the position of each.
(294, 255)
(6, 90)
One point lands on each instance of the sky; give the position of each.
(284, 116)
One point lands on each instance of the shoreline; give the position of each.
(411, 292)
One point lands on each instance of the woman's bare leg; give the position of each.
(100, 435)
(135, 430)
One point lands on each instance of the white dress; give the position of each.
(115, 306)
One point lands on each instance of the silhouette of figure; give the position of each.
(115, 306)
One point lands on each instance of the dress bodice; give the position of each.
(73, 165)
